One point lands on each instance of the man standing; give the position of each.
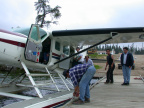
(78, 59)
(87, 60)
(81, 76)
(110, 62)
(127, 63)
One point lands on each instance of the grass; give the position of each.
(95, 55)
(97, 66)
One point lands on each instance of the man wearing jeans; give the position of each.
(110, 62)
(127, 63)
(81, 76)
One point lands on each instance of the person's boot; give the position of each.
(111, 82)
(124, 84)
(75, 100)
(106, 82)
(79, 102)
(87, 100)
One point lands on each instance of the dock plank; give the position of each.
(115, 95)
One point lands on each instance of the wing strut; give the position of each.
(85, 49)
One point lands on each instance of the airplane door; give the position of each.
(33, 45)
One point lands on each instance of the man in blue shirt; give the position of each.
(87, 60)
(81, 76)
(127, 63)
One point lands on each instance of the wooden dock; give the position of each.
(115, 95)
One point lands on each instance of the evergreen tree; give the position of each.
(116, 49)
(103, 48)
(110, 47)
(44, 10)
(113, 47)
(99, 47)
(120, 49)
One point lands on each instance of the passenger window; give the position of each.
(57, 46)
(66, 50)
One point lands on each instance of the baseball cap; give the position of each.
(65, 74)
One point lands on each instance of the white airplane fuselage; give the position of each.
(12, 47)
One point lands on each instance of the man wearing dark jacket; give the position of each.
(127, 63)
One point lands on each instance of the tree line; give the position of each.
(118, 49)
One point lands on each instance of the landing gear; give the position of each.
(36, 85)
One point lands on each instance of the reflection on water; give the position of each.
(31, 92)
(8, 100)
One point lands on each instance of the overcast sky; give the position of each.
(101, 13)
(76, 14)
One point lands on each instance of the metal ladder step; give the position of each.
(57, 78)
(23, 85)
(37, 85)
(40, 87)
(37, 74)
(38, 82)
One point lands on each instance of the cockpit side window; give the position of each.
(66, 50)
(57, 46)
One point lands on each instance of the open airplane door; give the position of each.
(33, 44)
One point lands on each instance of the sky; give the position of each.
(76, 14)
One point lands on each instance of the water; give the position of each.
(31, 92)
(8, 100)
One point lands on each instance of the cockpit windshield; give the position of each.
(25, 31)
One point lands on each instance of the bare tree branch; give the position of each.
(43, 10)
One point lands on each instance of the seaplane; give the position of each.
(51, 52)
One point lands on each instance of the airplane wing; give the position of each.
(91, 36)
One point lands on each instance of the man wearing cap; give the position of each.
(87, 60)
(81, 76)
(79, 58)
